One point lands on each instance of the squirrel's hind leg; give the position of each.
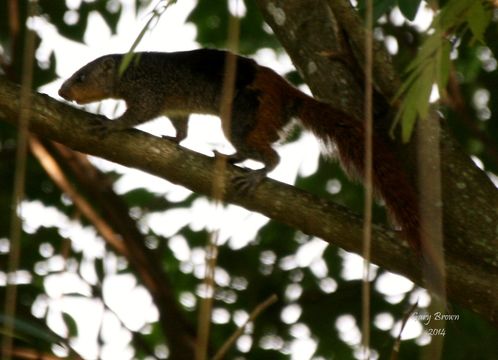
(180, 123)
(253, 131)
(259, 151)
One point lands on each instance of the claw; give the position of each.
(174, 139)
(245, 184)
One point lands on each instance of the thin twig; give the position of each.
(57, 175)
(218, 191)
(367, 211)
(155, 15)
(30, 354)
(397, 342)
(254, 314)
(19, 183)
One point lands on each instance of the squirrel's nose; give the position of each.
(64, 91)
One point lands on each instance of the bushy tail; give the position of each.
(338, 130)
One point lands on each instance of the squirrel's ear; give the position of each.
(108, 64)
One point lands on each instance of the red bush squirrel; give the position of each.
(180, 83)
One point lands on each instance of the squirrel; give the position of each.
(178, 84)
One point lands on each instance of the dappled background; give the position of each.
(76, 291)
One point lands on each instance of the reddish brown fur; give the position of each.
(273, 99)
(335, 127)
(389, 179)
(271, 114)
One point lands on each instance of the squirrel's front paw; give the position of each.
(174, 139)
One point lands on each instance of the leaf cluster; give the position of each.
(432, 65)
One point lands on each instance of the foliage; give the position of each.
(432, 64)
(316, 300)
(408, 8)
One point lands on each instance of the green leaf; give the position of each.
(408, 118)
(45, 75)
(409, 8)
(478, 19)
(416, 100)
(424, 89)
(452, 14)
(111, 13)
(72, 327)
(29, 330)
(414, 70)
(212, 17)
(444, 66)
(427, 51)
(56, 12)
(100, 270)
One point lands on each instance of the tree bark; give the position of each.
(471, 283)
(470, 200)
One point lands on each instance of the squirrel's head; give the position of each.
(93, 82)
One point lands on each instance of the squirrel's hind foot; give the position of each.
(247, 183)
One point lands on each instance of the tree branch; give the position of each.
(311, 214)
(386, 79)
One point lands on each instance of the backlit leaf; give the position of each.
(409, 8)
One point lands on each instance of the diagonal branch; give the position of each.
(55, 172)
(310, 214)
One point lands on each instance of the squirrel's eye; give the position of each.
(81, 78)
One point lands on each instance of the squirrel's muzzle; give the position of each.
(65, 91)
